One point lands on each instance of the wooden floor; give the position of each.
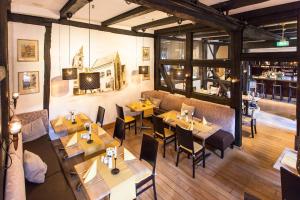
(249, 169)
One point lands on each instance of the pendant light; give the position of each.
(69, 73)
(89, 80)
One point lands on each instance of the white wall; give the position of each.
(29, 102)
(102, 44)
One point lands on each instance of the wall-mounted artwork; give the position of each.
(146, 53)
(28, 82)
(28, 50)
(147, 75)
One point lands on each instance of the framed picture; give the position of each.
(28, 50)
(146, 53)
(28, 82)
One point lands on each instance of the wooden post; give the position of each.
(47, 60)
(188, 64)
(156, 62)
(236, 90)
(297, 138)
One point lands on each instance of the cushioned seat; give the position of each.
(197, 147)
(221, 140)
(129, 119)
(168, 133)
(54, 188)
(43, 148)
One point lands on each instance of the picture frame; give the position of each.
(147, 76)
(28, 82)
(146, 53)
(27, 50)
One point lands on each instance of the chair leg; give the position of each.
(255, 126)
(154, 188)
(222, 154)
(177, 160)
(135, 126)
(164, 148)
(175, 144)
(193, 166)
(252, 131)
(203, 157)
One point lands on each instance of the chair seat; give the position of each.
(246, 119)
(168, 133)
(197, 148)
(129, 119)
(143, 176)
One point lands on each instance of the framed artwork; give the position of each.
(28, 82)
(146, 53)
(28, 50)
(147, 75)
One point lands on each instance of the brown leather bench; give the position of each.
(221, 140)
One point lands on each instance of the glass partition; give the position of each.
(212, 81)
(173, 48)
(176, 75)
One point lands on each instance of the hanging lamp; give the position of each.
(69, 73)
(89, 80)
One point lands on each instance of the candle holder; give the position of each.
(115, 170)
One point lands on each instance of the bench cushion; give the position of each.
(54, 188)
(43, 148)
(220, 140)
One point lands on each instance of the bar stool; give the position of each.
(260, 88)
(291, 89)
(275, 87)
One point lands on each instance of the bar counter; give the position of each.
(269, 85)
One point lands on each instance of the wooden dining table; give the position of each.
(141, 107)
(103, 183)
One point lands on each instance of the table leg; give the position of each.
(142, 123)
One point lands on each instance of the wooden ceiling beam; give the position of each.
(182, 28)
(234, 4)
(71, 7)
(194, 11)
(156, 23)
(136, 12)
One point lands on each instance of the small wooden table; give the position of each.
(63, 125)
(101, 141)
(103, 183)
(141, 107)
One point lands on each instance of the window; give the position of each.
(212, 81)
(176, 75)
(173, 48)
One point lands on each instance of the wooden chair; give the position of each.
(119, 131)
(129, 120)
(187, 145)
(163, 133)
(251, 121)
(100, 115)
(290, 184)
(149, 154)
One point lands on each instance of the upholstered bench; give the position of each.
(221, 140)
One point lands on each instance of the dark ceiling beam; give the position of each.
(233, 4)
(136, 12)
(72, 6)
(156, 23)
(194, 11)
(259, 33)
(41, 21)
(182, 28)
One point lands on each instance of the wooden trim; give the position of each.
(136, 12)
(212, 63)
(156, 62)
(210, 98)
(188, 68)
(41, 21)
(71, 7)
(298, 79)
(172, 62)
(152, 24)
(47, 71)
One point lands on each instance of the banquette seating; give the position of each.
(55, 185)
(221, 115)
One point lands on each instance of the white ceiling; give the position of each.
(103, 11)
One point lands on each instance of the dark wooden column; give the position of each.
(156, 62)
(236, 91)
(297, 138)
(47, 60)
(188, 64)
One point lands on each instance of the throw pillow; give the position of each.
(190, 109)
(34, 168)
(156, 102)
(33, 130)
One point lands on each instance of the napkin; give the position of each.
(91, 172)
(128, 155)
(60, 121)
(289, 159)
(204, 121)
(72, 141)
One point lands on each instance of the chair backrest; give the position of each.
(119, 131)
(149, 150)
(100, 115)
(120, 111)
(185, 139)
(158, 125)
(290, 184)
